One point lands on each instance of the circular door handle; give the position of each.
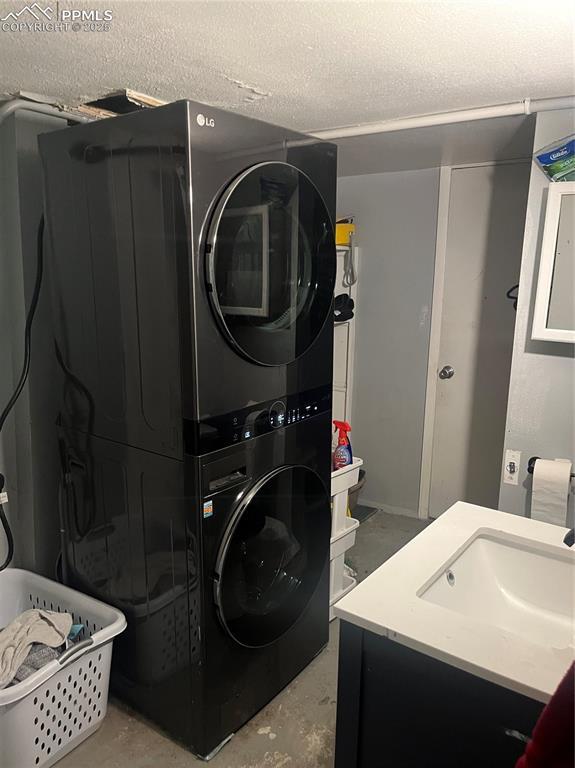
(446, 372)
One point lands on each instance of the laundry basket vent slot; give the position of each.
(37, 601)
(67, 707)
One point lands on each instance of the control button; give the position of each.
(247, 434)
(236, 437)
(278, 414)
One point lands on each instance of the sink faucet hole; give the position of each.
(450, 576)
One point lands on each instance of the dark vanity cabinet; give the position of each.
(398, 708)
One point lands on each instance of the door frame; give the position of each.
(434, 338)
(436, 320)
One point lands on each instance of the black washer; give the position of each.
(272, 555)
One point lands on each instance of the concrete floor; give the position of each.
(380, 537)
(295, 730)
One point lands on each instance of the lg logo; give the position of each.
(202, 121)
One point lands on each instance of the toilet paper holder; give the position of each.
(531, 465)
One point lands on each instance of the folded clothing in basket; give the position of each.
(35, 626)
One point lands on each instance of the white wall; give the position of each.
(540, 413)
(396, 216)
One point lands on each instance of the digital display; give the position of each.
(258, 419)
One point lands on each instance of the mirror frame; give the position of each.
(540, 331)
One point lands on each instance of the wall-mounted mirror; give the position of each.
(554, 317)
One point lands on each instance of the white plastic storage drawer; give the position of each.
(347, 584)
(340, 582)
(345, 539)
(343, 479)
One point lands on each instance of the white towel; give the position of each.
(34, 626)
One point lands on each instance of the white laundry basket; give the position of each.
(52, 711)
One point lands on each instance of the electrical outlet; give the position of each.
(511, 467)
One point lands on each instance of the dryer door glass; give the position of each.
(271, 263)
(273, 555)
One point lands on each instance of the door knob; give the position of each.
(446, 372)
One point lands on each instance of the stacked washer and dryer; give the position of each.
(192, 264)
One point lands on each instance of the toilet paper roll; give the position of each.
(551, 485)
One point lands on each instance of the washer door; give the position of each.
(272, 555)
(271, 263)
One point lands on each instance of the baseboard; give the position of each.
(388, 508)
(368, 503)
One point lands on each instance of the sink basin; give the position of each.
(490, 593)
(511, 583)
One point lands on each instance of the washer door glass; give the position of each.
(271, 263)
(273, 555)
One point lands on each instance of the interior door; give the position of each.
(272, 555)
(482, 262)
(270, 267)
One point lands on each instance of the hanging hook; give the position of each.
(512, 294)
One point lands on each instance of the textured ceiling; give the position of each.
(307, 65)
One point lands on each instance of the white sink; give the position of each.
(488, 592)
(511, 583)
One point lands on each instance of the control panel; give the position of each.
(305, 412)
(278, 414)
(231, 428)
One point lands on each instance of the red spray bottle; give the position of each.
(342, 456)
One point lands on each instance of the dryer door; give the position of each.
(272, 555)
(271, 263)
